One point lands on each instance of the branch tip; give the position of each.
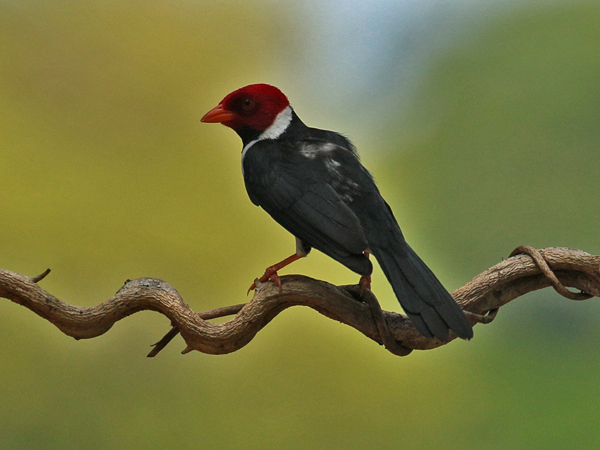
(483, 318)
(163, 342)
(40, 277)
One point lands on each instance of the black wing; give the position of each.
(429, 305)
(297, 191)
(321, 193)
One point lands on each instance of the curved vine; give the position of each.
(526, 270)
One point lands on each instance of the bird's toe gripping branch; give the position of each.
(271, 272)
(269, 275)
(364, 283)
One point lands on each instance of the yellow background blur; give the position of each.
(108, 174)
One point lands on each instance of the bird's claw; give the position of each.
(269, 275)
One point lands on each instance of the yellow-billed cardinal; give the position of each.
(312, 182)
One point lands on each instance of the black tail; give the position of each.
(427, 303)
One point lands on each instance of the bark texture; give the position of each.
(526, 270)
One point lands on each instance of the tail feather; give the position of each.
(427, 303)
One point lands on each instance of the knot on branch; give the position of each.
(526, 270)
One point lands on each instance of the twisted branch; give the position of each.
(526, 270)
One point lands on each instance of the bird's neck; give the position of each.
(285, 124)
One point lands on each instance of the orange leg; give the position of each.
(365, 282)
(271, 272)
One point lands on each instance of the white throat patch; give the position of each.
(279, 125)
(276, 129)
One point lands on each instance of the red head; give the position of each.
(255, 106)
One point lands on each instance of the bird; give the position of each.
(311, 182)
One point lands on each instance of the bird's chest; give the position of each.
(245, 151)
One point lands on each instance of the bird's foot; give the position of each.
(269, 275)
(271, 272)
(364, 283)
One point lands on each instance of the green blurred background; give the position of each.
(481, 122)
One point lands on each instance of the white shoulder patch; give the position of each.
(279, 125)
(311, 151)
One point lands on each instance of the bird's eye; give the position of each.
(248, 103)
